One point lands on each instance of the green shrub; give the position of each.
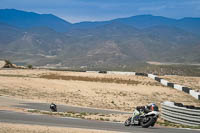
(30, 66)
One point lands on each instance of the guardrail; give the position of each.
(181, 114)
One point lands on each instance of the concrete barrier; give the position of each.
(152, 76)
(195, 94)
(178, 87)
(92, 71)
(121, 73)
(164, 82)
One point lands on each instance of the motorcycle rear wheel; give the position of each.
(54, 109)
(148, 123)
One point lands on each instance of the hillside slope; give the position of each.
(30, 38)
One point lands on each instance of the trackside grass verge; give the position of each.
(12, 75)
(83, 115)
(175, 125)
(91, 79)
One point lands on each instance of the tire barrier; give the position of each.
(103, 72)
(158, 79)
(141, 74)
(181, 114)
(186, 89)
(170, 85)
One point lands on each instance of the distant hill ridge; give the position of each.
(41, 39)
(22, 19)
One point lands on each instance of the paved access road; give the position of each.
(34, 119)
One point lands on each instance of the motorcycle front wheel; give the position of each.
(154, 122)
(127, 122)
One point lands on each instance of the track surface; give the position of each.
(25, 118)
(65, 108)
(61, 108)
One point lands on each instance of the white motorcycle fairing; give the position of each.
(153, 113)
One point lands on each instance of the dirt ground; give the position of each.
(192, 82)
(20, 128)
(118, 92)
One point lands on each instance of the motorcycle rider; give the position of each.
(53, 107)
(138, 110)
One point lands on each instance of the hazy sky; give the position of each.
(92, 10)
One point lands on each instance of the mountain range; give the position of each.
(47, 40)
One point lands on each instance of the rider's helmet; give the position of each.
(152, 107)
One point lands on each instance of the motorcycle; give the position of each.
(53, 107)
(143, 119)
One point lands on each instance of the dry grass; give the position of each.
(20, 128)
(75, 88)
(85, 115)
(91, 79)
(192, 82)
(81, 76)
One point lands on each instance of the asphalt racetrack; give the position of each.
(35, 119)
(19, 103)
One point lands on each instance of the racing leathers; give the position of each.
(137, 112)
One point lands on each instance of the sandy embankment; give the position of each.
(28, 84)
(20, 128)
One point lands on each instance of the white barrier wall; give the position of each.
(178, 87)
(2, 63)
(152, 76)
(92, 71)
(122, 73)
(164, 82)
(195, 94)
